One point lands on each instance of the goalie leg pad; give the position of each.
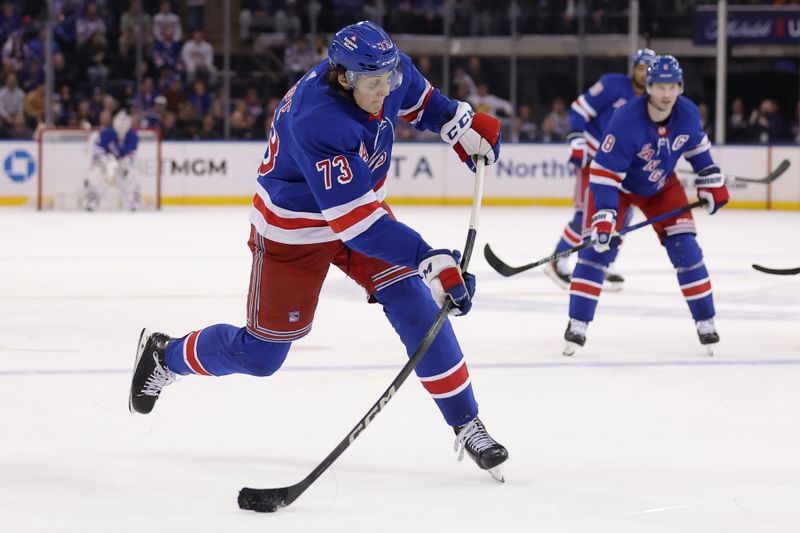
(223, 349)
(443, 370)
(693, 278)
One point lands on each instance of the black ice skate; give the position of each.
(575, 335)
(487, 453)
(614, 281)
(150, 372)
(559, 272)
(708, 334)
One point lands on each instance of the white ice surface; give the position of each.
(638, 432)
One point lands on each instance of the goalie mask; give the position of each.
(364, 49)
(122, 124)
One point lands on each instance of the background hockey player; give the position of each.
(320, 201)
(634, 165)
(114, 150)
(589, 115)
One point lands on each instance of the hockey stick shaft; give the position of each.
(506, 270)
(769, 178)
(778, 271)
(269, 500)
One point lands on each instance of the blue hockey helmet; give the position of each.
(365, 49)
(664, 69)
(643, 56)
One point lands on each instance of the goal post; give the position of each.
(65, 160)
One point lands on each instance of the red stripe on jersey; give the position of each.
(282, 222)
(577, 286)
(353, 217)
(448, 383)
(380, 184)
(191, 354)
(410, 117)
(594, 171)
(587, 111)
(697, 289)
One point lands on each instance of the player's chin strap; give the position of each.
(269, 500)
(507, 270)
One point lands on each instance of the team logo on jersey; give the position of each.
(596, 89)
(608, 143)
(647, 152)
(679, 141)
(662, 130)
(294, 316)
(350, 43)
(619, 103)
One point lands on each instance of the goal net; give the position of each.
(65, 165)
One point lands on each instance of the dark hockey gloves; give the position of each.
(471, 133)
(440, 271)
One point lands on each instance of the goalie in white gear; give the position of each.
(114, 149)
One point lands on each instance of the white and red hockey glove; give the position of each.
(710, 183)
(577, 152)
(603, 224)
(440, 271)
(472, 134)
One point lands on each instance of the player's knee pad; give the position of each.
(683, 250)
(263, 358)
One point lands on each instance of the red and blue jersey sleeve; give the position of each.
(698, 147)
(423, 105)
(609, 167)
(340, 182)
(594, 101)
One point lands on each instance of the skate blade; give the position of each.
(570, 348)
(709, 350)
(497, 473)
(139, 352)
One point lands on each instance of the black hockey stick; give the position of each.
(778, 271)
(507, 270)
(769, 178)
(270, 500)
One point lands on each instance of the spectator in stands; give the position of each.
(705, 122)
(199, 99)
(484, 102)
(89, 24)
(167, 51)
(175, 94)
(146, 97)
(400, 18)
(34, 107)
(425, 67)
(135, 24)
(738, 127)
(298, 58)
(767, 124)
(63, 74)
(198, 58)
(428, 16)
(463, 85)
(252, 103)
(93, 55)
(475, 71)
(169, 128)
(525, 127)
(15, 52)
(287, 20)
(241, 122)
(12, 106)
(560, 117)
(197, 14)
(31, 75)
(83, 114)
(548, 133)
(10, 20)
(166, 19)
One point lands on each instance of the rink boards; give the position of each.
(208, 173)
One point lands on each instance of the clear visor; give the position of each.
(373, 82)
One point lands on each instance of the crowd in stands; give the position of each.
(97, 43)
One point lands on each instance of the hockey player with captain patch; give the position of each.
(635, 165)
(320, 200)
(589, 115)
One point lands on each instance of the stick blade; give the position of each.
(497, 263)
(263, 500)
(777, 271)
(780, 169)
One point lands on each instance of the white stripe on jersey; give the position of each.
(704, 146)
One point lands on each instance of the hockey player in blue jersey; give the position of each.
(589, 115)
(320, 201)
(113, 153)
(635, 165)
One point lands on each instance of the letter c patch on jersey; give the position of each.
(679, 141)
(608, 143)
